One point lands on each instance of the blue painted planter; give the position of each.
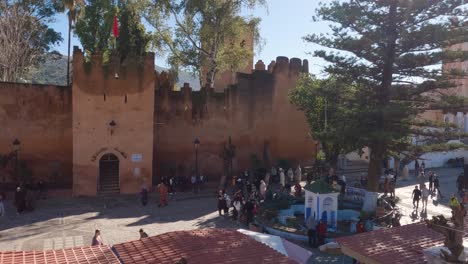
(286, 212)
(298, 208)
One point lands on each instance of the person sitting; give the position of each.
(360, 228)
(143, 234)
(97, 239)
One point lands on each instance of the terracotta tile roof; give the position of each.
(81, 255)
(203, 246)
(394, 245)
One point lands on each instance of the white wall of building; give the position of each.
(439, 159)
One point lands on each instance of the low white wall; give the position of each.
(439, 159)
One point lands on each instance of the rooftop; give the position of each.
(83, 255)
(394, 245)
(202, 246)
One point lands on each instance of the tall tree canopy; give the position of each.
(332, 109)
(391, 49)
(74, 9)
(94, 29)
(207, 36)
(25, 36)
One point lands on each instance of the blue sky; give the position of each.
(283, 26)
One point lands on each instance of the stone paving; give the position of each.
(447, 179)
(59, 223)
(69, 222)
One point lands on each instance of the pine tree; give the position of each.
(391, 49)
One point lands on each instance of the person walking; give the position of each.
(262, 189)
(391, 188)
(416, 196)
(144, 195)
(431, 181)
(290, 175)
(321, 232)
(162, 194)
(311, 231)
(425, 196)
(237, 204)
(437, 187)
(416, 168)
(143, 234)
(222, 205)
(298, 174)
(273, 174)
(20, 200)
(386, 185)
(282, 177)
(249, 211)
(97, 239)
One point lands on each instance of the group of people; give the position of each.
(293, 177)
(242, 209)
(98, 241)
(26, 195)
(317, 231)
(163, 190)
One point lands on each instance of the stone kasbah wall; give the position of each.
(255, 113)
(40, 116)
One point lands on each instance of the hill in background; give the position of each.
(53, 70)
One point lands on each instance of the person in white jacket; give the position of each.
(263, 188)
(282, 177)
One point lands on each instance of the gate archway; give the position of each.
(109, 181)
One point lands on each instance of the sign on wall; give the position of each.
(137, 172)
(355, 194)
(138, 157)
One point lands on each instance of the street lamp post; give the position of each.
(17, 147)
(196, 144)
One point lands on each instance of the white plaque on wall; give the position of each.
(137, 157)
(137, 172)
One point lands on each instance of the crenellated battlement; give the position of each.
(250, 88)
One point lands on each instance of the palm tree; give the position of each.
(75, 10)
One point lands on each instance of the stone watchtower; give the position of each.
(113, 114)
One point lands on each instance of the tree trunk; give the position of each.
(333, 160)
(378, 147)
(375, 167)
(68, 57)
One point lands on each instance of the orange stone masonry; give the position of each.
(148, 127)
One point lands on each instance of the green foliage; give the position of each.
(95, 27)
(209, 36)
(25, 35)
(52, 70)
(320, 156)
(389, 49)
(332, 112)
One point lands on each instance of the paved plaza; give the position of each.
(447, 179)
(70, 222)
(59, 223)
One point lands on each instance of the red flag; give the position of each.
(115, 29)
